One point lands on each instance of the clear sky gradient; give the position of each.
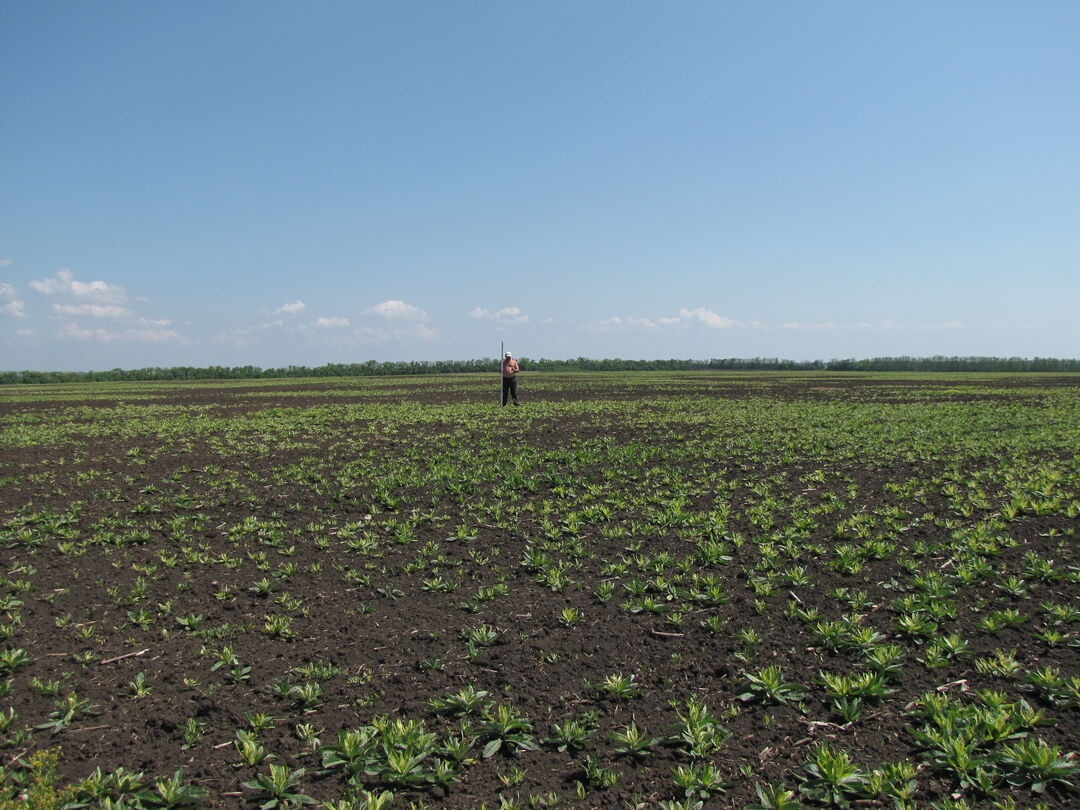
(274, 183)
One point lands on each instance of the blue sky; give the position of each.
(277, 183)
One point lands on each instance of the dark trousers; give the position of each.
(509, 389)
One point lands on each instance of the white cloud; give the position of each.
(5, 262)
(504, 315)
(93, 310)
(64, 283)
(100, 300)
(710, 319)
(291, 309)
(148, 323)
(616, 323)
(155, 336)
(685, 318)
(72, 331)
(14, 308)
(397, 309)
(330, 323)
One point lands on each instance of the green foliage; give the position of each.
(292, 549)
(832, 777)
(278, 788)
(768, 685)
(41, 791)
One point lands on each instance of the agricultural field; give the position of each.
(671, 591)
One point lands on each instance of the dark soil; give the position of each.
(393, 642)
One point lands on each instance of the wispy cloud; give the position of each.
(65, 283)
(414, 318)
(616, 323)
(93, 310)
(504, 315)
(5, 262)
(72, 331)
(100, 300)
(335, 322)
(396, 309)
(14, 306)
(710, 319)
(291, 309)
(684, 319)
(149, 323)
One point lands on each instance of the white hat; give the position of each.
(508, 354)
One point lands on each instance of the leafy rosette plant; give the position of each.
(279, 788)
(768, 686)
(1037, 765)
(503, 728)
(832, 777)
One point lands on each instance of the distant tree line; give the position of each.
(375, 369)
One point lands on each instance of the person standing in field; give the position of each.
(510, 368)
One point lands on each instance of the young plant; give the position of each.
(831, 776)
(1036, 765)
(773, 796)
(139, 687)
(468, 700)
(68, 709)
(190, 731)
(251, 751)
(619, 686)
(768, 686)
(504, 729)
(632, 741)
(571, 735)
(278, 626)
(570, 616)
(698, 780)
(173, 792)
(597, 776)
(308, 695)
(699, 735)
(279, 788)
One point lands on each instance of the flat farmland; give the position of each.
(665, 590)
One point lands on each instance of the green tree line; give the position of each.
(372, 368)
